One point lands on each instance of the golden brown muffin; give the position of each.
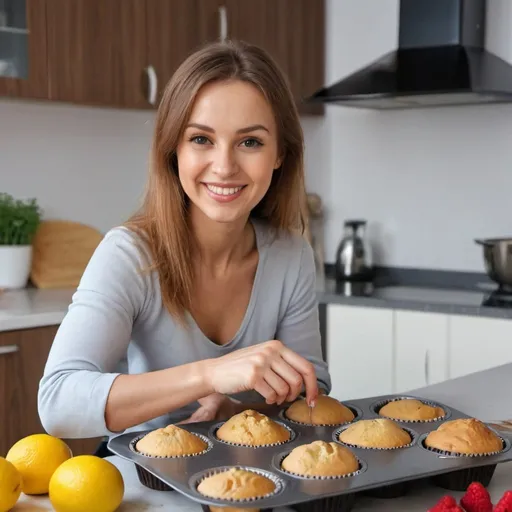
(410, 409)
(170, 441)
(252, 429)
(320, 458)
(236, 484)
(377, 433)
(327, 411)
(469, 436)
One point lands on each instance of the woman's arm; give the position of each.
(299, 327)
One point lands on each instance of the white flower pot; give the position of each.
(15, 263)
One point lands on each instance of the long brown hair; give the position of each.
(162, 218)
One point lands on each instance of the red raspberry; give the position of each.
(505, 503)
(446, 504)
(476, 499)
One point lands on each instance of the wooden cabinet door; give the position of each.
(23, 355)
(23, 52)
(175, 29)
(293, 32)
(97, 52)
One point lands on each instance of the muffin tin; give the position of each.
(382, 472)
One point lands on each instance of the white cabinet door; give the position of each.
(478, 343)
(359, 351)
(421, 349)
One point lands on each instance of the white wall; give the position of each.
(429, 181)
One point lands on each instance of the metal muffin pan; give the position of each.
(378, 468)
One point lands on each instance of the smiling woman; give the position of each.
(204, 302)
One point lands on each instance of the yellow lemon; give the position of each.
(86, 483)
(10, 485)
(36, 457)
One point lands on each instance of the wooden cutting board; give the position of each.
(61, 251)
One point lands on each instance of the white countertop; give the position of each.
(138, 498)
(32, 307)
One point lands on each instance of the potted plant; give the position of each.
(19, 220)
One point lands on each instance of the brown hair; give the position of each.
(162, 218)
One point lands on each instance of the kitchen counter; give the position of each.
(485, 395)
(476, 301)
(32, 307)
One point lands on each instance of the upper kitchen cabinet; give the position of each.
(175, 28)
(97, 52)
(23, 57)
(292, 31)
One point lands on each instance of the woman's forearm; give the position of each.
(135, 399)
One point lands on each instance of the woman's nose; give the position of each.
(224, 162)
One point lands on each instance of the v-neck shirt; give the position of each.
(117, 323)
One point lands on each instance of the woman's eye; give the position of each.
(199, 140)
(251, 143)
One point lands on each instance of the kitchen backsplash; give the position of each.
(429, 181)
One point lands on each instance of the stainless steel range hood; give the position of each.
(440, 60)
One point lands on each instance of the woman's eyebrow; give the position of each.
(247, 129)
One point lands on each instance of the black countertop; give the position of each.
(474, 296)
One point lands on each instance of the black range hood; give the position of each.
(440, 60)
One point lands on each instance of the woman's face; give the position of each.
(229, 151)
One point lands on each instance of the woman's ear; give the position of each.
(278, 163)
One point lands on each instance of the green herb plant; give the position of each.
(19, 220)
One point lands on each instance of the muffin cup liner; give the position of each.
(336, 437)
(281, 457)
(151, 481)
(459, 480)
(197, 479)
(357, 414)
(215, 428)
(376, 407)
(206, 508)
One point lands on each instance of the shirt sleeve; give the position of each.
(92, 339)
(299, 328)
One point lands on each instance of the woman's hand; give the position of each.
(273, 370)
(213, 407)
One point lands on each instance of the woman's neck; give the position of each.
(221, 244)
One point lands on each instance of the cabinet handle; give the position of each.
(427, 364)
(223, 22)
(8, 349)
(153, 83)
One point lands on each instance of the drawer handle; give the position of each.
(223, 21)
(8, 349)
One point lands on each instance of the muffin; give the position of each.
(410, 409)
(235, 484)
(171, 441)
(466, 436)
(320, 459)
(376, 433)
(327, 411)
(251, 428)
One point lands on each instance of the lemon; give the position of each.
(36, 457)
(86, 483)
(10, 485)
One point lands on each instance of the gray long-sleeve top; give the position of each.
(117, 323)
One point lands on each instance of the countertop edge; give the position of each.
(414, 305)
(31, 320)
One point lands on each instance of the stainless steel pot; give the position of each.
(498, 259)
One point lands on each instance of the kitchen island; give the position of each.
(485, 395)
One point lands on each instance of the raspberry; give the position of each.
(476, 499)
(446, 504)
(505, 503)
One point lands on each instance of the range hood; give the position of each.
(440, 60)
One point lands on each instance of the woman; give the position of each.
(207, 295)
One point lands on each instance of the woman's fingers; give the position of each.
(266, 391)
(278, 384)
(307, 372)
(291, 376)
